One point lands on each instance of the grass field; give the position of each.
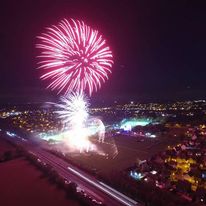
(22, 184)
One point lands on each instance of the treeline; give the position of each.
(9, 155)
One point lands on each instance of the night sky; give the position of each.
(159, 48)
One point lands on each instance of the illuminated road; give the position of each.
(94, 188)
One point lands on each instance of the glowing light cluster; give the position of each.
(128, 124)
(74, 57)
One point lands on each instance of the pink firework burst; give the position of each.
(74, 57)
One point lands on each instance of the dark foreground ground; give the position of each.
(22, 184)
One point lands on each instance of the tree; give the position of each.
(7, 155)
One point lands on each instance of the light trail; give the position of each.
(124, 196)
(104, 189)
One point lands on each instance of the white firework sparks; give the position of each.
(73, 109)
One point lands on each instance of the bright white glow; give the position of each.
(10, 134)
(136, 175)
(153, 172)
(78, 138)
(73, 111)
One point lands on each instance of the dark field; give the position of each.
(22, 184)
(123, 151)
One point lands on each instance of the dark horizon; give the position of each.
(40, 95)
(159, 48)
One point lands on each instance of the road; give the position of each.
(94, 188)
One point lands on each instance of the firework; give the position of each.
(74, 57)
(73, 110)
